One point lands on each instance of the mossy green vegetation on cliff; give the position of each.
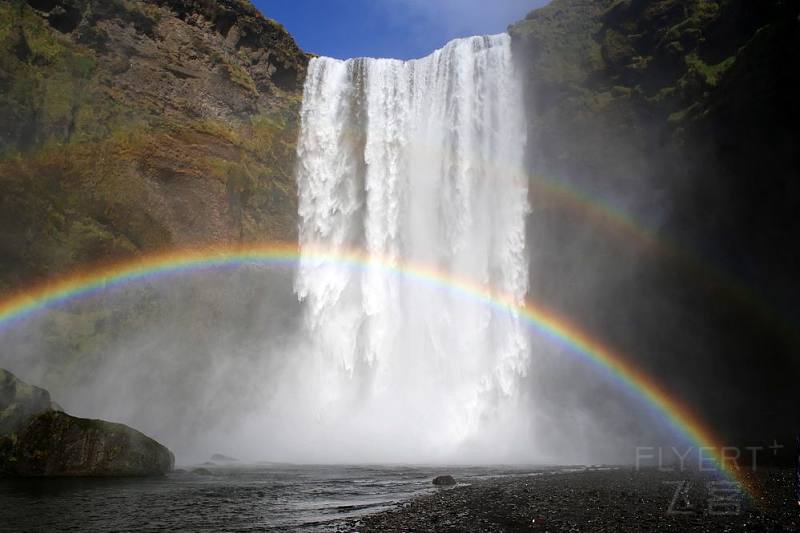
(681, 115)
(133, 125)
(645, 63)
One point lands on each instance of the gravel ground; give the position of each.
(598, 500)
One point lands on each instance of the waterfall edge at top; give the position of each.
(491, 39)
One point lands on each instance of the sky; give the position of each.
(402, 29)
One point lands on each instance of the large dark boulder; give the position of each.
(40, 441)
(444, 481)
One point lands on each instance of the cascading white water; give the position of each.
(414, 162)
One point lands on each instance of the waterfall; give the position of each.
(413, 162)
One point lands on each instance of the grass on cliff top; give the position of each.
(560, 39)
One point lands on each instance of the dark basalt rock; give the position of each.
(37, 440)
(444, 481)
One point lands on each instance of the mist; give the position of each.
(218, 362)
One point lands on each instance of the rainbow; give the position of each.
(619, 223)
(47, 295)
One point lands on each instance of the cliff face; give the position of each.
(682, 115)
(132, 125)
(618, 86)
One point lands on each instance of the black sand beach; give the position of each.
(598, 500)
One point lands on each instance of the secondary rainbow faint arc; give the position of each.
(85, 283)
(616, 219)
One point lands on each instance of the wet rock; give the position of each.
(39, 441)
(579, 501)
(220, 458)
(57, 444)
(444, 481)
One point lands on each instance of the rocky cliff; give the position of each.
(672, 124)
(19, 402)
(133, 125)
(38, 440)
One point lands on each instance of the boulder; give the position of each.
(40, 441)
(444, 481)
(219, 458)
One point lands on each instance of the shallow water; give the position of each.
(241, 498)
